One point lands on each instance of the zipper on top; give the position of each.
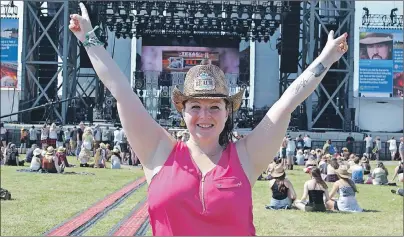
(202, 194)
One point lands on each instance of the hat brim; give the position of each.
(277, 174)
(345, 176)
(178, 99)
(375, 40)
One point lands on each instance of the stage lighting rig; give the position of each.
(255, 21)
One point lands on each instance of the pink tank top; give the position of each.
(183, 202)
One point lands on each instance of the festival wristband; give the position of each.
(92, 40)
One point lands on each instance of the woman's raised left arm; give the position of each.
(264, 141)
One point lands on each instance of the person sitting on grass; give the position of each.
(379, 174)
(100, 157)
(50, 162)
(30, 153)
(316, 190)
(300, 157)
(398, 172)
(331, 175)
(346, 188)
(61, 155)
(283, 193)
(36, 160)
(12, 156)
(357, 171)
(116, 159)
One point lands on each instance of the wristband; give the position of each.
(92, 40)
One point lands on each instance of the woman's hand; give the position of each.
(80, 25)
(334, 49)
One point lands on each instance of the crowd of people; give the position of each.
(344, 169)
(93, 146)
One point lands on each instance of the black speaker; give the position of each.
(93, 15)
(290, 39)
(90, 114)
(84, 59)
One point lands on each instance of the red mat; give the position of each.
(133, 223)
(68, 227)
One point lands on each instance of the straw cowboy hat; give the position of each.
(61, 149)
(115, 150)
(375, 38)
(50, 150)
(205, 81)
(103, 146)
(342, 171)
(37, 152)
(278, 171)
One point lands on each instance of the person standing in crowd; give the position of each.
(290, 153)
(349, 143)
(60, 137)
(97, 136)
(33, 135)
(3, 135)
(79, 137)
(86, 147)
(106, 136)
(73, 141)
(117, 137)
(307, 142)
(44, 136)
(392, 147)
(401, 148)
(377, 148)
(23, 139)
(124, 147)
(53, 135)
(369, 145)
(67, 142)
(299, 142)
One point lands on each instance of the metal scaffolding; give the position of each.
(317, 19)
(39, 18)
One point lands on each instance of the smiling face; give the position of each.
(205, 118)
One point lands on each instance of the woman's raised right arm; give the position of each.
(144, 134)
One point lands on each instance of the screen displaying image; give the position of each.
(380, 62)
(182, 58)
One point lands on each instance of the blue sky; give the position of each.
(8, 23)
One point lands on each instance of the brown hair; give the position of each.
(316, 174)
(280, 181)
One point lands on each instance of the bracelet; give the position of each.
(92, 40)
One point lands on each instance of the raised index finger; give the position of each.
(84, 12)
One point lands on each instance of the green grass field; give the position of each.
(42, 201)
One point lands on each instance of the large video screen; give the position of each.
(381, 63)
(182, 58)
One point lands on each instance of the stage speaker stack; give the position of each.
(290, 37)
